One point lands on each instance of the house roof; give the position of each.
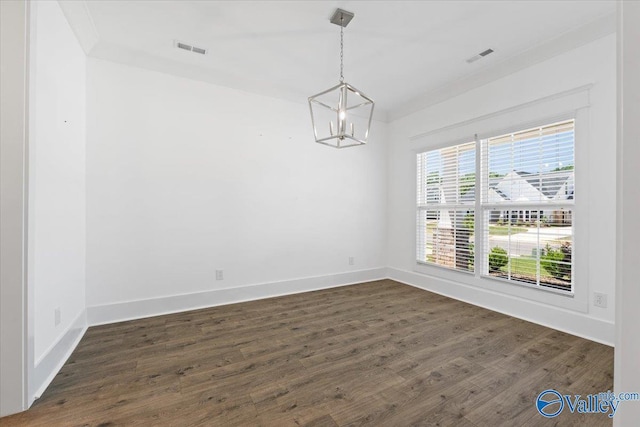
(549, 184)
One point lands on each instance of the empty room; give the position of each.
(319, 213)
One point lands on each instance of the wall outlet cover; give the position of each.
(600, 299)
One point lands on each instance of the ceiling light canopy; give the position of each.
(341, 115)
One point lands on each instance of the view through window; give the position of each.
(525, 202)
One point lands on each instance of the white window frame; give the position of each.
(481, 257)
(571, 104)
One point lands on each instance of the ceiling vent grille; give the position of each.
(190, 48)
(480, 55)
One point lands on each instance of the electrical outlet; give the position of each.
(219, 275)
(57, 316)
(600, 300)
(352, 260)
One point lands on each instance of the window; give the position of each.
(446, 206)
(524, 202)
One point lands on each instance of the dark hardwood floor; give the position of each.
(378, 353)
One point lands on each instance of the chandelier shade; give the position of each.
(341, 116)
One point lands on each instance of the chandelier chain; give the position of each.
(341, 48)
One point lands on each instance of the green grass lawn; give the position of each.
(525, 266)
(501, 230)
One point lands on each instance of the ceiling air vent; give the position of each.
(190, 48)
(480, 55)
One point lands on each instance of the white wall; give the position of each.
(593, 63)
(627, 353)
(57, 199)
(13, 147)
(185, 177)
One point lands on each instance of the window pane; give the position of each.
(445, 238)
(532, 166)
(530, 246)
(447, 176)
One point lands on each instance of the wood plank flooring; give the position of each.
(378, 353)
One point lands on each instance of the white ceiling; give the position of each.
(403, 54)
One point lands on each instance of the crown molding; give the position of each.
(568, 41)
(81, 23)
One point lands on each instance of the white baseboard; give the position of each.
(572, 322)
(122, 311)
(564, 320)
(48, 366)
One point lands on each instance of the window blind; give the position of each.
(446, 206)
(531, 166)
(527, 198)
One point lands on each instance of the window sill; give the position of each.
(569, 294)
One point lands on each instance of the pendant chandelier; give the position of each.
(341, 116)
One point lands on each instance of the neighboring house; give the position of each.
(524, 187)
